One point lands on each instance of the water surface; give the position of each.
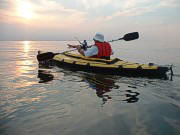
(50, 100)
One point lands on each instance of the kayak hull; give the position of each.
(115, 66)
(159, 73)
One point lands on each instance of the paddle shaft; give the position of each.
(115, 40)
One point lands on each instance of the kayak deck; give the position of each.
(113, 66)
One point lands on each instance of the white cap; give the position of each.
(99, 37)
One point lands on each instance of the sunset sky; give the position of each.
(64, 19)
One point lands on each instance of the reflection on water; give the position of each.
(101, 83)
(104, 85)
(24, 66)
(27, 45)
(45, 76)
(131, 96)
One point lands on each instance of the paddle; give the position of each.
(50, 55)
(128, 37)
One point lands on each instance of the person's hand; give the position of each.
(78, 47)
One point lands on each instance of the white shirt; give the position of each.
(92, 51)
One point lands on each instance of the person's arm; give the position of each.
(78, 47)
(91, 51)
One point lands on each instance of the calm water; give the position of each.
(54, 101)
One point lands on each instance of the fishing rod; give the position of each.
(78, 40)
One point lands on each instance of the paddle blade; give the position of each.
(131, 36)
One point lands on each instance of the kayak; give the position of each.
(114, 66)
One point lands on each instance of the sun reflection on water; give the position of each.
(24, 66)
(20, 87)
(27, 45)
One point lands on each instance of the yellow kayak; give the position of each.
(114, 66)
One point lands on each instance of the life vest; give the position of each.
(104, 50)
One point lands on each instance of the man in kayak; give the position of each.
(100, 49)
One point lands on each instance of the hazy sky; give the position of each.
(64, 19)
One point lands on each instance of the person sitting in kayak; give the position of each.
(100, 49)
